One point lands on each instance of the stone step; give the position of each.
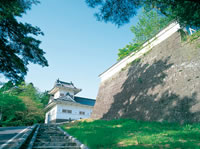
(51, 140)
(50, 137)
(56, 147)
(51, 134)
(49, 128)
(63, 143)
(53, 137)
(55, 128)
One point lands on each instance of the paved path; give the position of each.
(7, 133)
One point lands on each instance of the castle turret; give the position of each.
(62, 89)
(65, 106)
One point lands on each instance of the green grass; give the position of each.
(128, 134)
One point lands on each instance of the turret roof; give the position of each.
(61, 84)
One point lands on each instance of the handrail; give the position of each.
(26, 136)
(30, 145)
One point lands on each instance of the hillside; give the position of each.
(21, 104)
(129, 134)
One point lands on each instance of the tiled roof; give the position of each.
(85, 101)
(61, 84)
(64, 98)
(80, 100)
(58, 82)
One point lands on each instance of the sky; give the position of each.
(78, 47)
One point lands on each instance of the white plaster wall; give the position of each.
(57, 94)
(75, 112)
(62, 91)
(52, 113)
(161, 36)
(66, 91)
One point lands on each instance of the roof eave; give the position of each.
(50, 105)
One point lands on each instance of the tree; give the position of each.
(12, 110)
(44, 98)
(6, 86)
(119, 12)
(127, 50)
(185, 12)
(18, 47)
(13, 99)
(149, 23)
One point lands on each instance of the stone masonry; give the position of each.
(164, 85)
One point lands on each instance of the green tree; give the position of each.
(149, 23)
(27, 90)
(7, 86)
(127, 50)
(11, 110)
(18, 47)
(119, 12)
(44, 98)
(12, 99)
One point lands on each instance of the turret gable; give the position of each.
(63, 88)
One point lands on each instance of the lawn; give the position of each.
(128, 134)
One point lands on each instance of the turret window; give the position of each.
(82, 113)
(66, 111)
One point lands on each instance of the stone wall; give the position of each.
(164, 85)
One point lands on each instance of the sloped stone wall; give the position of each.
(164, 85)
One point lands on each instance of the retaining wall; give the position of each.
(163, 84)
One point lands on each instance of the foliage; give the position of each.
(114, 10)
(12, 109)
(194, 36)
(120, 12)
(44, 98)
(6, 86)
(34, 112)
(127, 50)
(126, 133)
(27, 90)
(186, 13)
(23, 99)
(18, 47)
(149, 23)
(24, 89)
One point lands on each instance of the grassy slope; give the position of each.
(128, 134)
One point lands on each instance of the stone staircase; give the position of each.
(50, 137)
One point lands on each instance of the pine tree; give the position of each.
(18, 47)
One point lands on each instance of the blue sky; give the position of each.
(78, 48)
